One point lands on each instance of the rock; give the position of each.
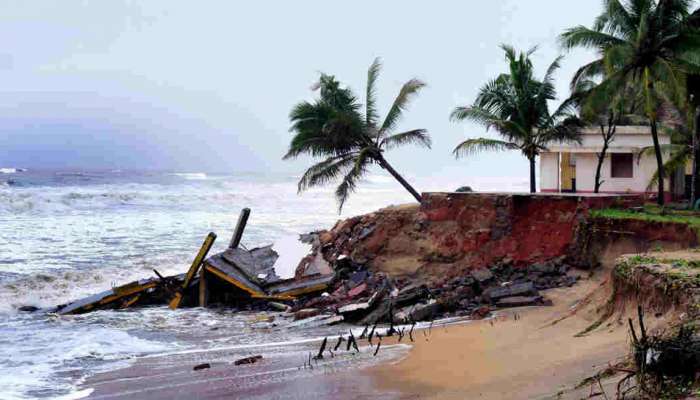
(201, 366)
(546, 268)
(464, 189)
(481, 312)
(28, 309)
(306, 313)
(248, 360)
(518, 289)
(357, 290)
(482, 275)
(519, 301)
(423, 312)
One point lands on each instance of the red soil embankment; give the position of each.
(450, 233)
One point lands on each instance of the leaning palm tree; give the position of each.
(350, 141)
(516, 106)
(640, 42)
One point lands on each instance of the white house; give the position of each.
(571, 167)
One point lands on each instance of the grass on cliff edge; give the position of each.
(652, 213)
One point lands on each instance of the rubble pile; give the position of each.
(361, 296)
(397, 265)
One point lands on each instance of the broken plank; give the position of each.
(199, 258)
(296, 287)
(203, 289)
(240, 227)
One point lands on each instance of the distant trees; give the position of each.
(350, 139)
(515, 105)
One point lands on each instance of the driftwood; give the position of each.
(240, 227)
(377, 349)
(337, 345)
(322, 349)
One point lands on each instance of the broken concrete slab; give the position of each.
(519, 301)
(518, 289)
(424, 312)
(117, 297)
(254, 263)
(220, 267)
(319, 320)
(296, 287)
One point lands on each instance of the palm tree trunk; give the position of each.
(601, 158)
(384, 164)
(659, 161)
(695, 155)
(533, 183)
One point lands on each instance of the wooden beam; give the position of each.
(203, 289)
(198, 260)
(240, 227)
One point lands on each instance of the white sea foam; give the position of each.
(192, 175)
(67, 236)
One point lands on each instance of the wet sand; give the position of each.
(509, 358)
(526, 353)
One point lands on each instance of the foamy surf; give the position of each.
(66, 235)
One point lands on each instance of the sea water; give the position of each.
(68, 234)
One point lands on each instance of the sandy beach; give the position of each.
(527, 353)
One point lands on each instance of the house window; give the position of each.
(621, 165)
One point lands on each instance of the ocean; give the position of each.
(68, 234)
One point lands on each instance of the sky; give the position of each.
(208, 85)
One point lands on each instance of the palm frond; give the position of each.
(409, 90)
(325, 171)
(349, 183)
(371, 103)
(580, 36)
(415, 136)
(475, 146)
(678, 160)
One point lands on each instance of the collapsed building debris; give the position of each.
(236, 277)
(333, 285)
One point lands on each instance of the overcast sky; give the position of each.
(208, 85)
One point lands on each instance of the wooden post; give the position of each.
(203, 289)
(201, 255)
(240, 227)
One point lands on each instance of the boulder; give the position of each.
(306, 313)
(482, 275)
(518, 289)
(519, 301)
(424, 312)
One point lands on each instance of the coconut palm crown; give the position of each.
(349, 136)
(648, 43)
(515, 105)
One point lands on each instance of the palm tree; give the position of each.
(624, 107)
(516, 106)
(334, 127)
(639, 42)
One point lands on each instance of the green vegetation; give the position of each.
(675, 273)
(334, 127)
(652, 214)
(649, 45)
(516, 106)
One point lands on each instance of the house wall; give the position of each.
(643, 170)
(549, 171)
